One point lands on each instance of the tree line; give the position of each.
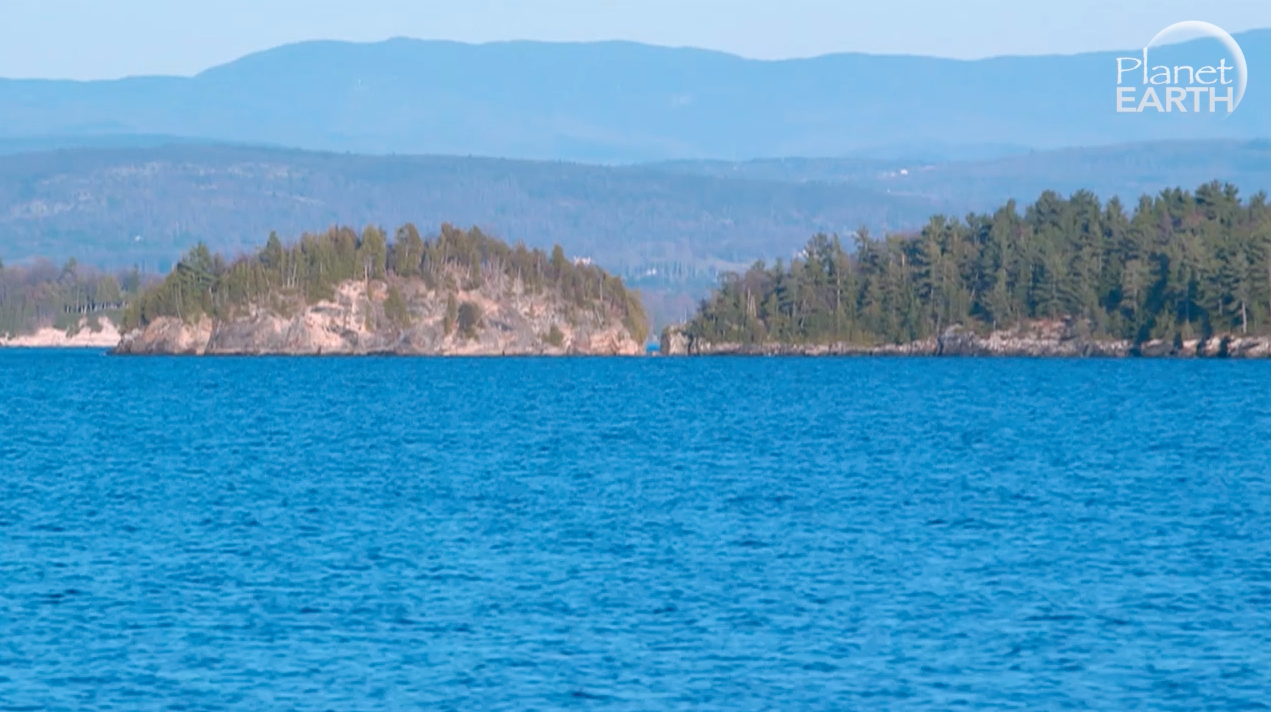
(1181, 265)
(231, 197)
(277, 275)
(41, 294)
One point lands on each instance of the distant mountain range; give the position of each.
(118, 206)
(623, 102)
(148, 203)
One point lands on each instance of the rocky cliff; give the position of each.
(1042, 339)
(357, 321)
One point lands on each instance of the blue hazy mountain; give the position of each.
(626, 102)
(121, 204)
(124, 204)
(1126, 171)
(66, 142)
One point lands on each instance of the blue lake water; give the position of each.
(648, 534)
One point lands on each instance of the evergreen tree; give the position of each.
(1184, 265)
(312, 269)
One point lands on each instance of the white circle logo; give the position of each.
(1211, 88)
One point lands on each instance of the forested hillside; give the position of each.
(119, 207)
(1177, 266)
(282, 279)
(1124, 170)
(146, 205)
(667, 229)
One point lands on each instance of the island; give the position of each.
(1186, 274)
(347, 293)
(1181, 274)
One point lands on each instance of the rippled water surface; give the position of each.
(651, 534)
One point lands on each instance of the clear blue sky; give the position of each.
(91, 39)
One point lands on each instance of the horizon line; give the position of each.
(578, 43)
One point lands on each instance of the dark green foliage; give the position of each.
(555, 337)
(395, 308)
(630, 218)
(469, 319)
(41, 295)
(310, 270)
(407, 252)
(1182, 266)
(452, 313)
(372, 254)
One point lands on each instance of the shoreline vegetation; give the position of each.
(344, 293)
(72, 306)
(1184, 274)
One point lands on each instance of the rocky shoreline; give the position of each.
(1050, 339)
(354, 324)
(335, 329)
(274, 336)
(104, 337)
